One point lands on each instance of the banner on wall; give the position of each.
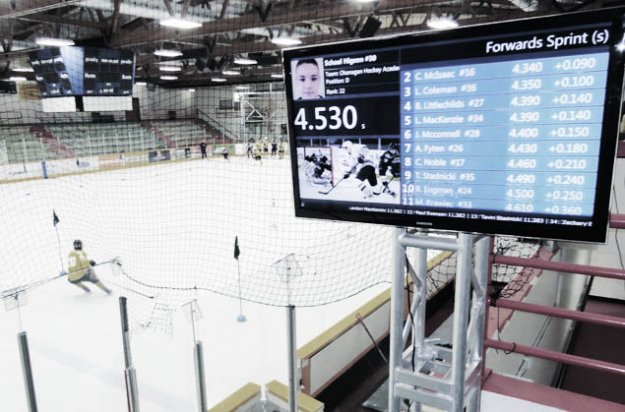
(159, 155)
(111, 161)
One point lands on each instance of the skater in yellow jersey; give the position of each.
(80, 269)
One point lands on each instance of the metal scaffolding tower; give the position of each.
(421, 372)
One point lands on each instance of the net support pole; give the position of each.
(461, 317)
(478, 313)
(397, 313)
(198, 357)
(129, 371)
(27, 371)
(293, 381)
(420, 294)
(200, 380)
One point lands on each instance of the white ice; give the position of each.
(77, 357)
(171, 225)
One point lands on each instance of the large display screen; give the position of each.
(77, 71)
(58, 71)
(108, 72)
(508, 128)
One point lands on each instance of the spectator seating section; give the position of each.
(24, 146)
(88, 139)
(182, 133)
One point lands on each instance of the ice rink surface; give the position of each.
(77, 354)
(172, 227)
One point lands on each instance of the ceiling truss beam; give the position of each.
(281, 15)
(26, 7)
(37, 18)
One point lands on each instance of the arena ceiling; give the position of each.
(236, 28)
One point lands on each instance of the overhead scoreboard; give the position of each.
(507, 128)
(108, 72)
(58, 71)
(88, 71)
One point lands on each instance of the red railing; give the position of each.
(616, 221)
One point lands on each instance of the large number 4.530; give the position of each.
(333, 118)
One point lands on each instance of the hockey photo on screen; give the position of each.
(348, 171)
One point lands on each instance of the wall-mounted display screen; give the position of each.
(58, 71)
(77, 71)
(108, 72)
(508, 128)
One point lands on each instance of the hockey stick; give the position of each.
(332, 188)
(345, 176)
(129, 289)
(14, 292)
(387, 184)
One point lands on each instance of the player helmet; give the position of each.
(78, 244)
(393, 147)
(347, 145)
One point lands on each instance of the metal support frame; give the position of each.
(200, 380)
(293, 379)
(420, 371)
(28, 372)
(266, 106)
(198, 357)
(132, 395)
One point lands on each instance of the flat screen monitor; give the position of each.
(88, 71)
(58, 71)
(507, 128)
(108, 72)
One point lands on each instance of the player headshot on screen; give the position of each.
(308, 79)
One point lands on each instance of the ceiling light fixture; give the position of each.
(231, 73)
(244, 61)
(170, 68)
(218, 79)
(23, 69)
(442, 22)
(191, 90)
(621, 45)
(167, 53)
(180, 23)
(17, 79)
(169, 77)
(49, 41)
(286, 41)
(277, 76)
(140, 83)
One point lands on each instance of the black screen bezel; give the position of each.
(596, 233)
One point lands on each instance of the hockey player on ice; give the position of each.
(389, 167)
(257, 151)
(318, 169)
(250, 147)
(282, 149)
(80, 270)
(360, 165)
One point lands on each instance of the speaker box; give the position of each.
(370, 27)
